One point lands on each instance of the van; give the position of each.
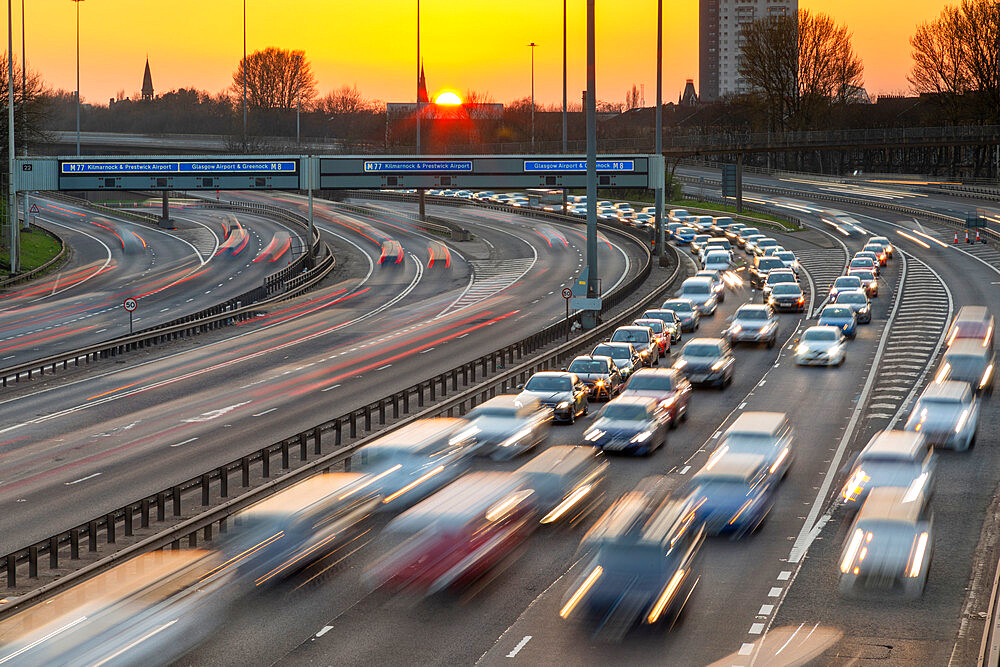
(972, 322)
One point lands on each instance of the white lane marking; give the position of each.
(325, 629)
(685, 469)
(812, 526)
(382, 368)
(520, 645)
(756, 628)
(82, 479)
(10, 357)
(745, 649)
(79, 231)
(765, 610)
(427, 350)
(178, 444)
(784, 575)
(261, 414)
(214, 414)
(774, 592)
(56, 284)
(329, 388)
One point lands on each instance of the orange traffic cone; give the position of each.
(977, 235)
(966, 235)
(956, 238)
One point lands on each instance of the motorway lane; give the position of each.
(65, 450)
(169, 273)
(335, 619)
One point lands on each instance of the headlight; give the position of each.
(707, 303)
(563, 405)
(593, 434)
(523, 433)
(736, 328)
(718, 364)
(766, 327)
(599, 383)
(642, 437)
(801, 348)
(667, 403)
(680, 363)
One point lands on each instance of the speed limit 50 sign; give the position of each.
(130, 304)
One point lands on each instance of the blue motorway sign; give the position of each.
(577, 165)
(417, 166)
(142, 168)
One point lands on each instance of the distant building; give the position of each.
(689, 97)
(720, 41)
(147, 84)
(856, 95)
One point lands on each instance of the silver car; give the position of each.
(947, 414)
(888, 549)
(753, 323)
(891, 458)
(507, 426)
(701, 292)
(968, 361)
(568, 481)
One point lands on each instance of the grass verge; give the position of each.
(724, 208)
(37, 247)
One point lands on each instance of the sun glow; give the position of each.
(448, 97)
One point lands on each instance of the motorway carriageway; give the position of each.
(73, 449)
(775, 591)
(170, 273)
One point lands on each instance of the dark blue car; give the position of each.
(734, 492)
(842, 317)
(684, 235)
(641, 563)
(631, 425)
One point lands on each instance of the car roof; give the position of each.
(677, 301)
(751, 307)
(560, 458)
(648, 514)
(466, 497)
(632, 399)
(732, 464)
(852, 292)
(839, 278)
(973, 314)
(512, 401)
(305, 493)
(905, 444)
(419, 434)
(592, 357)
(657, 372)
(708, 341)
(769, 423)
(696, 280)
(822, 327)
(630, 327)
(947, 389)
(552, 374)
(967, 347)
(891, 503)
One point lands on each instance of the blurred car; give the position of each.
(392, 253)
(667, 385)
(760, 245)
(733, 493)
(151, 609)
(707, 361)
(968, 361)
(773, 250)
(700, 292)
(299, 525)
(723, 223)
(684, 235)
(456, 536)
(767, 434)
(678, 214)
(416, 460)
(889, 546)
(752, 323)
(599, 374)
(642, 339)
(947, 414)
(821, 346)
(671, 321)
(631, 425)
(842, 317)
(787, 296)
(844, 284)
(884, 242)
(718, 284)
(743, 234)
(661, 334)
(777, 277)
(750, 242)
(686, 311)
(641, 562)
(698, 241)
(880, 254)
(732, 232)
(506, 426)
(718, 260)
(762, 267)
(568, 482)
(972, 323)
(562, 392)
(857, 301)
(789, 260)
(869, 281)
(891, 458)
(624, 355)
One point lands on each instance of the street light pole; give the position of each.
(77, 76)
(532, 45)
(15, 241)
(658, 213)
(24, 87)
(421, 195)
(565, 135)
(593, 282)
(244, 75)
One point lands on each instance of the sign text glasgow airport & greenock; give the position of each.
(222, 167)
(578, 165)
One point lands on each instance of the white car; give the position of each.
(789, 260)
(821, 346)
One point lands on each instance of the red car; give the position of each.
(666, 385)
(457, 535)
(660, 333)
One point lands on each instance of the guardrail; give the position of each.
(38, 270)
(309, 442)
(285, 283)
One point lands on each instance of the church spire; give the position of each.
(147, 83)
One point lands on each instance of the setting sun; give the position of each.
(448, 97)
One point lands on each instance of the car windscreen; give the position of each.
(655, 325)
(716, 257)
(820, 335)
(775, 278)
(786, 289)
(785, 256)
(852, 297)
(588, 366)
(701, 350)
(751, 314)
(625, 412)
(651, 383)
(848, 282)
(548, 383)
(679, 307)
(493, 411)
(697, 288)
(833, 311)
(630, 336)
(749, 443)
(768, 263)
(612, 351)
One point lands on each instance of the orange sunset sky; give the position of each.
(478, 44)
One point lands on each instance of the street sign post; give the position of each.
(567, 294)
(130, 305)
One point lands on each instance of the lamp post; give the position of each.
(565, 134)
(532, 45)
(24, 86)
(589, 318)
(658, 203)
(77, 76)
(422, 202)
(15, 242)
(244, 75)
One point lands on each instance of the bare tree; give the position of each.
(478, 97)
(31, 105)
(275, 78)
(957, 57)
(345, 100)
(801, 65)
(632, 98)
